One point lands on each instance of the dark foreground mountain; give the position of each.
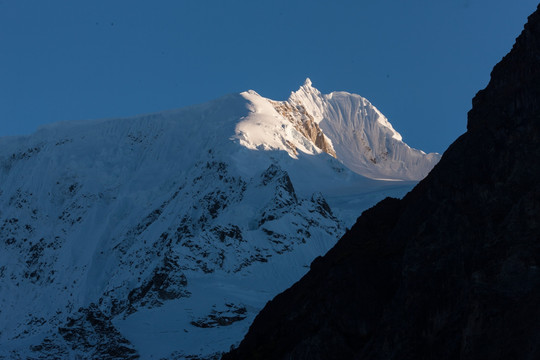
(452, 270)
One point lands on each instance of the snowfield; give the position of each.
(162, 235)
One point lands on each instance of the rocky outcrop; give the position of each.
(452, 270)
(88, 334)
(305, 123)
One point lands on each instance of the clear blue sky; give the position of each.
(419, 61)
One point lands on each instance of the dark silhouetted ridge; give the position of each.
(452, 270)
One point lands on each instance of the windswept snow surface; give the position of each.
(363, 138)
(163, 235)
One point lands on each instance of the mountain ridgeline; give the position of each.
(451, 271)
(163, 235)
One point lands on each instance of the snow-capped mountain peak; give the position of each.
(311, 98)
(162, 235)
(354, 131)
(264, 128)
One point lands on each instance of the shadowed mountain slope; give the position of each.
(163, 235)
(452, 270)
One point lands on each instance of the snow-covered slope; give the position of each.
(363, 138)
(163, 235)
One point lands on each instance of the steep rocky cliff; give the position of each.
(452, 270)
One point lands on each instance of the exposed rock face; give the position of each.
(89, 332)
(305, 124)
(452, 270)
